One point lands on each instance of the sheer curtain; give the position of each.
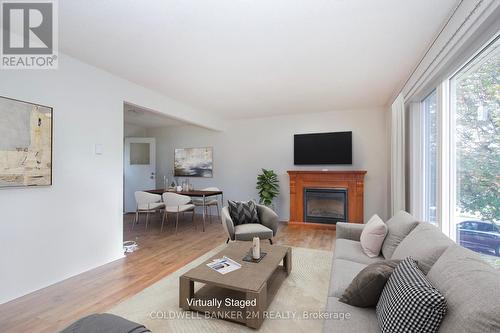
(397, 155)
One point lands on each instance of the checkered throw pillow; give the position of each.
(242, 212)
(409, 303)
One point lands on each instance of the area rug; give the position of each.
(296, 307)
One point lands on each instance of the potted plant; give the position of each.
(268, 187)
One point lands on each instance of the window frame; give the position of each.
(425, 157)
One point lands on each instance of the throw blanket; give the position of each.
(104, 323)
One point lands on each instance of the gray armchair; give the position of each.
(266, 229)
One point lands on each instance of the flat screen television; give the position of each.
(323, 148)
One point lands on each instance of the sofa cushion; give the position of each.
(246, 232)
(398, 227)
(366, 287)
(351, 250)
(472, 290)
(409, 302)
(425, 244)
(343, 271)
(373, 235)
(355, 320)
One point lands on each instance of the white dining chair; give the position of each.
(176, 203)
(208, 202)
(146, 203)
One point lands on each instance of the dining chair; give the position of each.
(208, 203)
(176, 203)
(146, 203)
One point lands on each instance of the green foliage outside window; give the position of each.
(477, 131)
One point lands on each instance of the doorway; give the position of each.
(140, 169)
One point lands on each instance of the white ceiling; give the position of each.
(138, 116)
(245, 58)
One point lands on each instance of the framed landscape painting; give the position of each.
(193, 162)
(25, 144)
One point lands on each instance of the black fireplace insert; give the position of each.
(325, 205)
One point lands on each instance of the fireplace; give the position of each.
(325, 205)
(351, 184)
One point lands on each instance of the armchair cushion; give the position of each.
(247, 231)
(243, 212)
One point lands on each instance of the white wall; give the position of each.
(132, 130)
(51, 233)
(250, 144)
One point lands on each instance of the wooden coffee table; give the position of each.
(244, 294)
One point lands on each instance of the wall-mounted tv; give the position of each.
(323, 148)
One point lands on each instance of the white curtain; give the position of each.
(397, 155)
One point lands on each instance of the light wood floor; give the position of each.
(54, 307)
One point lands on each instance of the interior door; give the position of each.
(139, 168)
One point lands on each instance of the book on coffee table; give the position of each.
(224, 265)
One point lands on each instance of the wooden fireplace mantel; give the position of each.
(353, 181)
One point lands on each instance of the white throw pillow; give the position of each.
(372, 236)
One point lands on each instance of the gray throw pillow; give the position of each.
(366, 288)
(243, 212)
(398, 227)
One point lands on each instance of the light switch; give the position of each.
(98, 149)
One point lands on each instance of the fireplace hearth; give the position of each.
(325, 205)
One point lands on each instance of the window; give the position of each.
(139, 153)
(456, 158)
(475, 151)
(429, 116)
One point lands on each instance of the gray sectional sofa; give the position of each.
(471, 286)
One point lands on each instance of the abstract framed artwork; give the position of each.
(193, 162)
(25, 144)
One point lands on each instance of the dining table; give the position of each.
(193, 193)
